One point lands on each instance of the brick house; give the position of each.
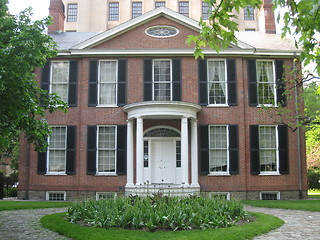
(145, 116)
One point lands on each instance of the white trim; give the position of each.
(162, 26)
(221, 173)
(99, 82)
(161, 126)
(115, 149)
(65, 154)
(56, 192)
(153, 82)
(225, 82)
(271, 192)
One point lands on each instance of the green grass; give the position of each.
(263, 223)
(19, 205)
(307, 205)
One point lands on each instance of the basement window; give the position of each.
(56, 196)
(269, 195)
(222, 195)
(106, 195)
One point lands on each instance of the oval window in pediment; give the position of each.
(162, 31)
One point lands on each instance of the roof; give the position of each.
(249, 43)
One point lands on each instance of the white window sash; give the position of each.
(271, 82)
(64, 84)
(161, 82)
(104, 98)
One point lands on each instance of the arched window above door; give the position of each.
(162, 132)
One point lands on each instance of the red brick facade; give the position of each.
(242, 185)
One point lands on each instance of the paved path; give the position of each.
(24, 224)
(298, 224)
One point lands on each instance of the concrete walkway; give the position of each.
(24, 224)
(298, 224)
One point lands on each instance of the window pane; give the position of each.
(218, 145)
(107, 93)
(184, 8)
(106, 161)
(58, 138)
(160, 4)
(136, 9)
(217, 82)
(72, 12)
(205, 11)
(57, 160)
(268, 148)
(248, 13)
(106, 138)
(113, 11)
(266, 82)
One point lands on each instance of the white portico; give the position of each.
(162, 152)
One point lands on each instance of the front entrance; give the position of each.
(163, 161)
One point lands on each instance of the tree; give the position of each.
(24, 46)
(301, 20)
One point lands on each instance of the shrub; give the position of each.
(314, 178)
(152, 213)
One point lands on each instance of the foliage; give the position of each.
(301, 20)
(263, 223)
(24, 47)
(19, 205)
(306, 205)
(314, 178)
(151, 213)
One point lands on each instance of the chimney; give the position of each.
(56, 11)
(270, 24)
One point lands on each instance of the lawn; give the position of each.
(18, 205)
(307, 205)
(262, 224)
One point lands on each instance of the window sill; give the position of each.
(107, 174)
(218, 105)
(55, 174)
(270, 174)
(107, 106)
(267, 106)
(218, 174)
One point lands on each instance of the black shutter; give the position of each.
(45, 77)
(280, 83)
(233, 150)
(42, 163)
(147, 79)
(283, 149)
(204, 149)
(93, 83)
(73, 79)
(71, 150)
(121, 149)
(252, 78)
(232, 86)
(202, 77)
(91, 150)
(176, 80)
(122, 80)
(254, 149)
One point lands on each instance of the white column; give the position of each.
(139, 152)
(194, 154)
(184, 152)
(129, 154)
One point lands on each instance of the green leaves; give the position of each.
(24, 47)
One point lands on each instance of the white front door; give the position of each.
(163, 160)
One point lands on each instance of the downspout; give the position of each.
(298, 128)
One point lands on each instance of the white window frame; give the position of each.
(225, 82)
(56, 192)
(204, 6)
(60, 83)
(183, 5)
(116, 83)
(247, 17)
(273, 82)
(135, 14)
(270, 192)
(72, 12)
(223, 173)
(113, 149)
(153, 81)
(112, 195)
(65, 154)
(277, 172)
(162, 3)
